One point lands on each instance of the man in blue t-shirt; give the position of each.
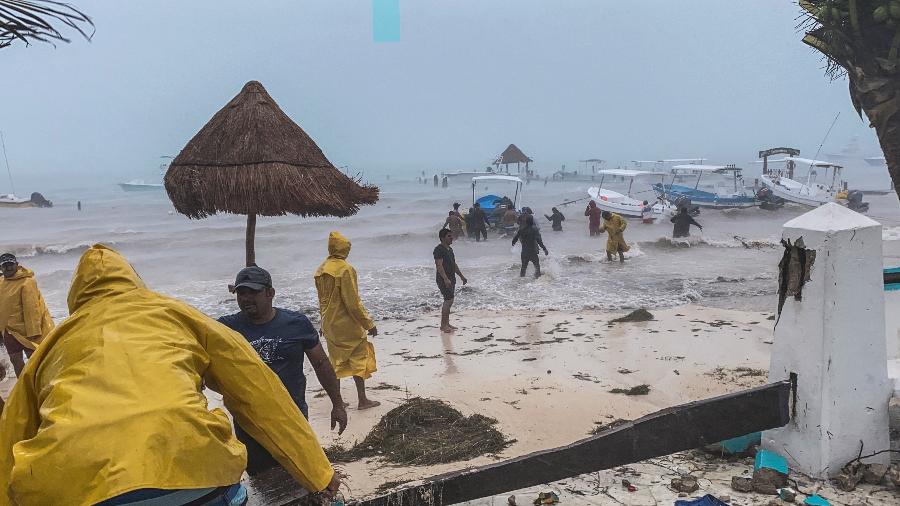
(281, 337)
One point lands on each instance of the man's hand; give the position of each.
(339, 418)
(373, 331)
(464, 280)
(447, 281)
(332, 489)
(546, 253)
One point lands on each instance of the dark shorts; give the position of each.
(447, 291)
(14, 347)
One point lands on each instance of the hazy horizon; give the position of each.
(563, 81)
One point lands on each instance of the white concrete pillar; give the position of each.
(834, 340)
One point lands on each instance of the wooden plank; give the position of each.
(662, 433)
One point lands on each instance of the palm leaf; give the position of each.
(30, 21)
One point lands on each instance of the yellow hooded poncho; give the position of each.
(615, 226)
(111, 401)
(23, 312)
(345, 321)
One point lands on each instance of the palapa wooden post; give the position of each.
(251, 240)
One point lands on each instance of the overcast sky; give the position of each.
(564, 80)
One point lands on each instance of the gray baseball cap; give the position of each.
(254, 278)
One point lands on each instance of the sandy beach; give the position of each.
(546, 376)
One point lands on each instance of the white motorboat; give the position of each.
(138, 185)
(625, 204)
(811, 193)
(10, 200)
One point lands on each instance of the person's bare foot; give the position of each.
(451, 327)
(447, 329)
(368, 403)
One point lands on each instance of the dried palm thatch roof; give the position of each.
(512, 154)
(251, 158)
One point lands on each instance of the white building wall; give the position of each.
(834, 339)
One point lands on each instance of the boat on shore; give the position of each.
(625, 204)
(811, 193)
(11, 201)
(733, 197)
(138, 185)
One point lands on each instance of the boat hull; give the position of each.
(700, 198)
(795, 192)
(608, 200)
(16, 205)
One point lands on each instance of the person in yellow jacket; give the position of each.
(345, 321)
(615, 225)
(24, 318)
(110, 405)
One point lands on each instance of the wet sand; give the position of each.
(546, 376)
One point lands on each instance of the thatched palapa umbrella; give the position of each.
(250, 158)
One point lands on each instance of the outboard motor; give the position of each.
(855, 201)
(684, 202)
(768, 200)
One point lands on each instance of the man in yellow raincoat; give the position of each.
(614, 225)
(24, 318)
(110, 405)
(345, 321)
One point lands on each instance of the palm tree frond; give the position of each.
(30, 21)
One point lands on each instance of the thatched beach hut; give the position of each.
(252, 159)
(512, 154)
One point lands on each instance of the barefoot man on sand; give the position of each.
(345, 321)
(447, 270)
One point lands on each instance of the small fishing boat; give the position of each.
(625, 204)
(11, 201)
(732, 197)
(138, 185)
(810, 193)
(490, 201)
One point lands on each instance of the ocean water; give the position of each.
(732, 263)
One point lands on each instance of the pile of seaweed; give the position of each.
(638, 315)
(425, 432)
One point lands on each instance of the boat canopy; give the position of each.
(672, 160)
(701, 168)
(810, 162)
(478, 179)
(627, 172)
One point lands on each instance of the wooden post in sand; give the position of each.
(251, 240)
(830, 334)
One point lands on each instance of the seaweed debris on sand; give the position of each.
(638, 390)
(638, 315)
(425, 432)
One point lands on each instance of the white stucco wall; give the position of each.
(834, 339)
